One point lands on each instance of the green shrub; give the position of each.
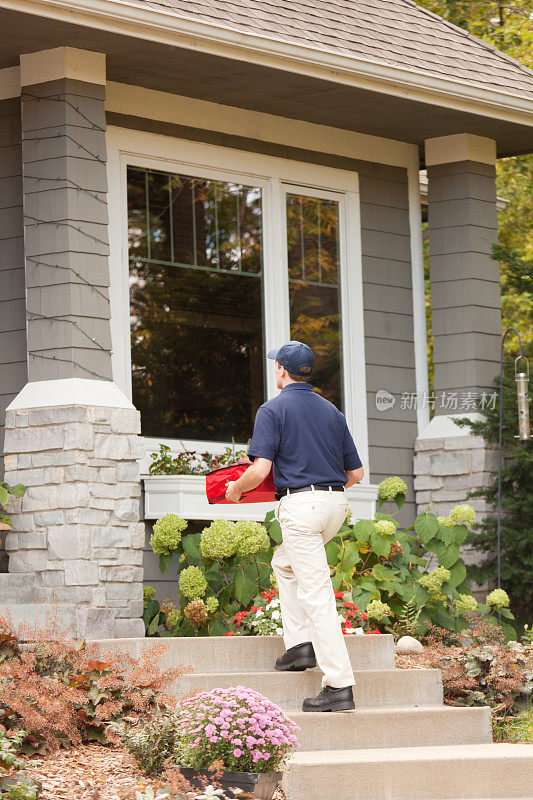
(152, 742)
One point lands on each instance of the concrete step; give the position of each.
(41, 615)
(367, 728)
(373, 688)
(466, 771)
(17, 588)
(247, 653)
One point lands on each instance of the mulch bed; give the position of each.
(91, 772)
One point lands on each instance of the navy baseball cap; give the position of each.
(296, 357)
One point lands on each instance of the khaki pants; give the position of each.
(308, 521)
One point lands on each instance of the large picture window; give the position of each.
(196, 304)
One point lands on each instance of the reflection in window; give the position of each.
(314, 296)
(195, 252)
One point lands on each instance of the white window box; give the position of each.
(185, 495)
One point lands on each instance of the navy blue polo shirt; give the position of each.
(305, 436)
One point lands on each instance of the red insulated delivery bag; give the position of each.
(215, 484)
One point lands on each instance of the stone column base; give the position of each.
(449, 463)
(77, 528)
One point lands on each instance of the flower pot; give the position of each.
(261, 784)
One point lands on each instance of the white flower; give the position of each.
(275, 615)
(279, 631)
(359, 631)
(342, 619)
(259, 613)
(274, 603)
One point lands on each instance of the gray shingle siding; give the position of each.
(63, 125)
(13, 360)
(465, 281)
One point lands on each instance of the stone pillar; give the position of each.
(466, 320)
(71, 435)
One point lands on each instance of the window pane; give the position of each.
(314, 295)
(196, 320)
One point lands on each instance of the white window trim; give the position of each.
(274, 176)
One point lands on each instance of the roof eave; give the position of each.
(167, 28)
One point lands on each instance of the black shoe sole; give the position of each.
(342, 705)
(298, 665)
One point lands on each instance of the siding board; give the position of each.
(13, 359)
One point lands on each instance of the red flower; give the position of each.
(253, 608)
(266, 594)
(374, 631)
(339, 595)
(348, 624)
(273, 592)
(231, 633)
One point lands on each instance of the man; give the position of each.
(306, 440)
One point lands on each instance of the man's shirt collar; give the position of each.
(299, 386)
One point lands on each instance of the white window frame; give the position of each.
(274, 176)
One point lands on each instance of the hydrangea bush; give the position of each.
(401, 579)
(219, 572)
(407, 579)
(240, 727)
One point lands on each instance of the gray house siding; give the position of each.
(13, 358)
(66, 237)
(388, 308)
(465, 281)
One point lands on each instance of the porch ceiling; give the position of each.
(188, 71)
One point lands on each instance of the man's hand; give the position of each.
(233, 493)
(254, 475)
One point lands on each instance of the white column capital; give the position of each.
(62, 62)
(460, 147)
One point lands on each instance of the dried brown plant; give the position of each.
(64, 692)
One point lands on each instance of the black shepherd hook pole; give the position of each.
(523, 422)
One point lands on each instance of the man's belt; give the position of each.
(321, 487)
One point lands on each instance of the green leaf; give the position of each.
(245, 584)
(445, 535)
(509, 632)
(274, 531)
(337, 581)
(399, 499)
(151, 608)
(442, 618)
(18, 490)
(191, 545)
(345, 528)
(426, 526)
(483, 608)
(333, 550)
(363, 530)
(382, 573)
(154, 625)
(457, 574)
(351, 556)
(366, 584)
(381, 545)
(460, 532)
(265, 571)
(165, 562)
(216, 628)
(268, 517)
(3, 495)
(420, 594)
(450, 556)
(506, 613)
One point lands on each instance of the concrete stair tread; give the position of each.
(247, 653)
(502, 750)
(449, 772)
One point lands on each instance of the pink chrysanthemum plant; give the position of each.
(238, 726)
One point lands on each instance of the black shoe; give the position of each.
(297, 658)
(330, 699)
